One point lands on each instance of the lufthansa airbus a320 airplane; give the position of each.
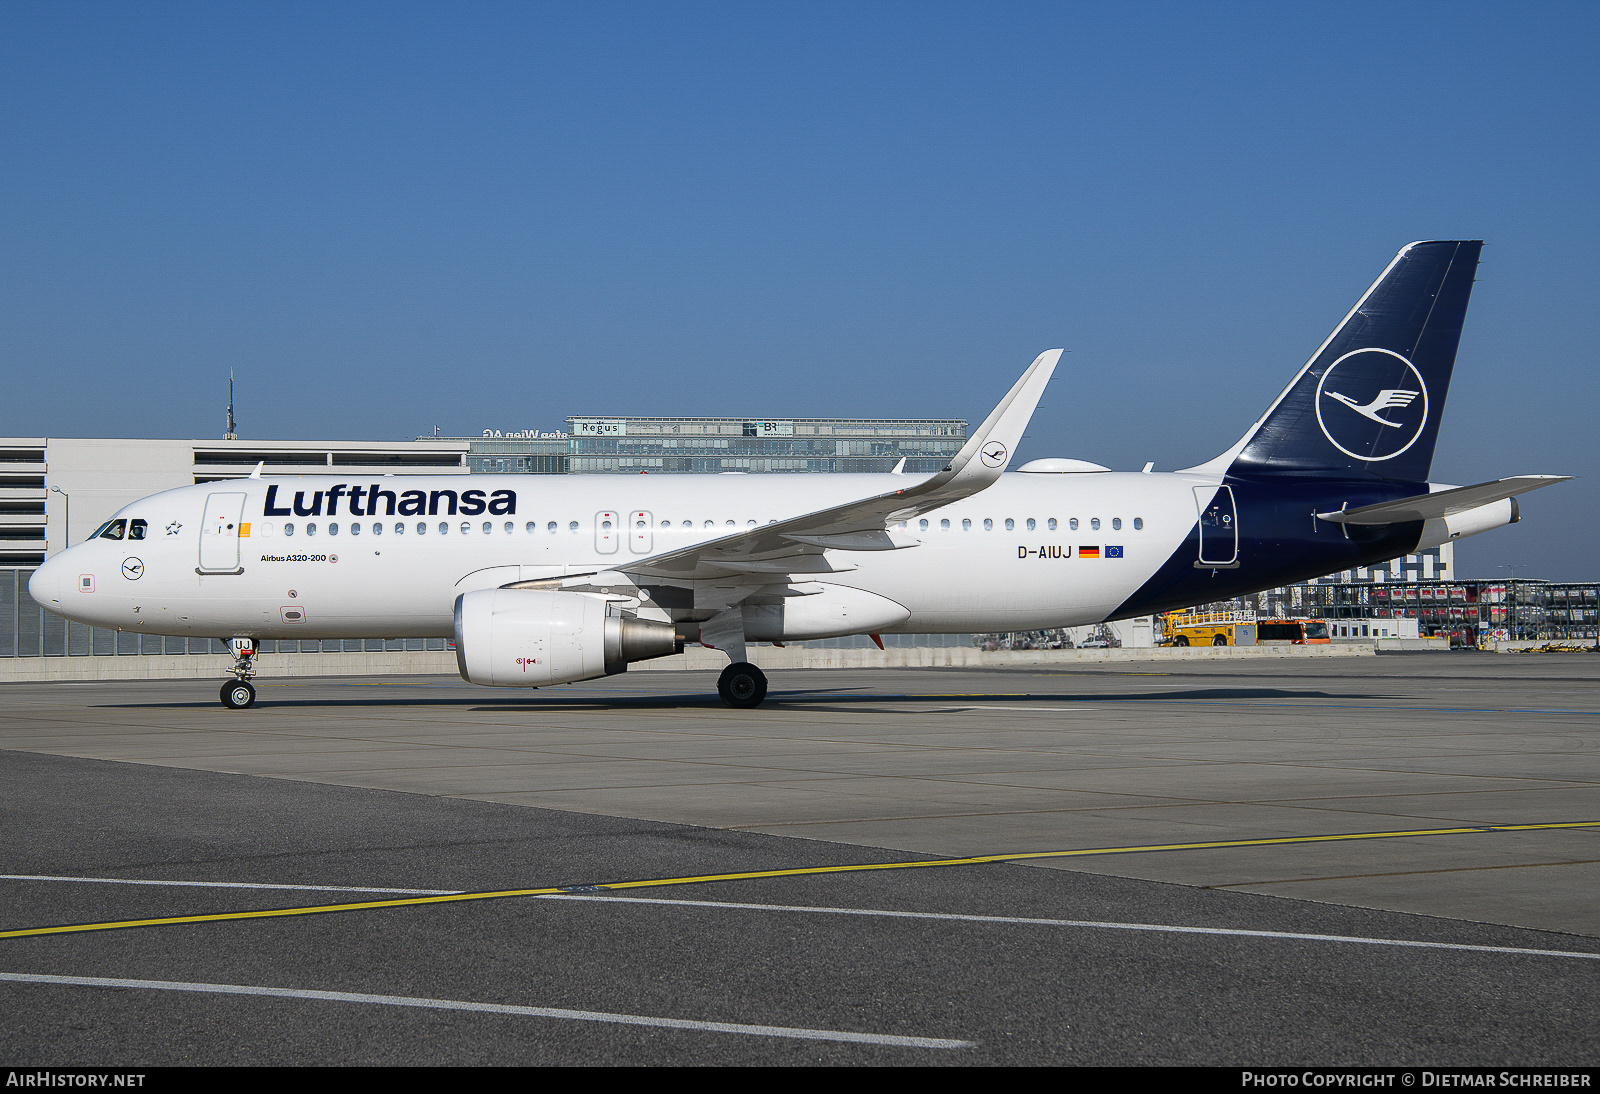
(551, 579)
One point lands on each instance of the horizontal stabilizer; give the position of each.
(1444, 503)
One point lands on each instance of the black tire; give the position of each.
(238, 695)
(742, 685)
(1181, 640)
(1220, 640)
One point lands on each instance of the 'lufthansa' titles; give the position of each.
(373, 501)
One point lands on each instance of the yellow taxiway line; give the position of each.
(617, 886)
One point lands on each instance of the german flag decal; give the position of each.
(1088, 552)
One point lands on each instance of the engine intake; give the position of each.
(517, 638)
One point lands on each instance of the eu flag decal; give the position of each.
(1088, 552)
(1113, 552)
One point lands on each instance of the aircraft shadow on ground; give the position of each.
(814, 699)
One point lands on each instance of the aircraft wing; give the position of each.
(768, 554)
(1444, 503)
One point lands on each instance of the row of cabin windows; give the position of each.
(136, 529)
(553, 527)
(1010, 524)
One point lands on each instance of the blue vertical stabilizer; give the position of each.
(1368, 404)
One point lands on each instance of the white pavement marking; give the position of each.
(1086, 923)
(232, 885)
(1028, 710)
(493, 1008)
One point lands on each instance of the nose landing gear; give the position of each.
(239, 693)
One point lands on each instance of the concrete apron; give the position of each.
(695, 658)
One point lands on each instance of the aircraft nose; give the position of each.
(48, 585)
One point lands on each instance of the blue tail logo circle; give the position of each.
(1372, 404)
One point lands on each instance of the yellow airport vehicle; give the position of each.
(1239, 628)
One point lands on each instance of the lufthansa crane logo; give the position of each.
(993, 454)
(1372, 404)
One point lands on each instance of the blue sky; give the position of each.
(386, 217)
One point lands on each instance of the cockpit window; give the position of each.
(114, 529)
(136, 529)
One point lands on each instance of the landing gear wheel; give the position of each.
(1220, 640)
(238, 695)
(742, 685)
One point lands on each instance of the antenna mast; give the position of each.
(230, 435)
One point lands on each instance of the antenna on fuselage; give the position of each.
(230, 435)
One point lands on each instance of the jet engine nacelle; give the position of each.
(1469, 522)
(519, 638)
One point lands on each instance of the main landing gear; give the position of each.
(239, 693)
(742, 685)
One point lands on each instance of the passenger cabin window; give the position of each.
(1030, 524)
(1010, 524)
(988, 524)
(311, 529)
(355, 529)
(1072, 523)
(1094, 523)
(1138, 524)
(1051, 524)
(114, 529)
(1116, 523)
(288, 529)
(333, 529)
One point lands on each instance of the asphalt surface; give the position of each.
(963, 964)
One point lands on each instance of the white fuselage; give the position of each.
(334, 574)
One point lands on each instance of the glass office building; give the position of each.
(714, 445)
